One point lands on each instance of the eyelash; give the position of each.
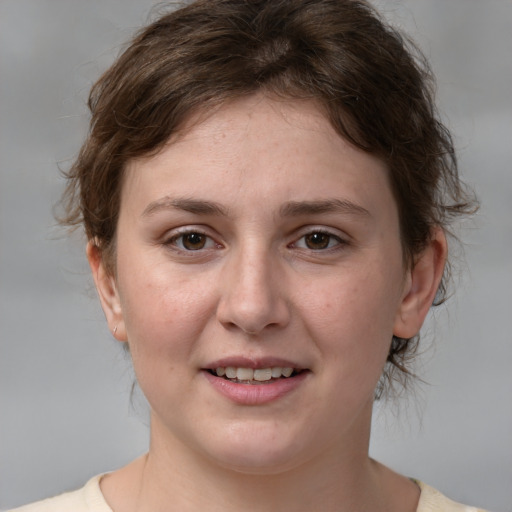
(209, 242)
(331, 237)
(173, 241)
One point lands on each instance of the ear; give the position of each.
(107, 291)
(421, 284)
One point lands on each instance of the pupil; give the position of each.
(317, 241)
(194, 241)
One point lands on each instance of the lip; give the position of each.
(255, 394)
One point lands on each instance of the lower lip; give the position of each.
(255, 394)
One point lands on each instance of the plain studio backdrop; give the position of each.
(65, 409)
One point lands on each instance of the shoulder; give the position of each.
(432, 500)
(87, 499)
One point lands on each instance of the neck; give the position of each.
(206, 486)
(171, 478)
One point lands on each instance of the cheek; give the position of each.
(352, 320)
(164, 320)
(164, 314)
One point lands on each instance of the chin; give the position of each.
(256, 450)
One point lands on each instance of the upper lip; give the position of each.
(254, 363)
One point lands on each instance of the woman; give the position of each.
(266, 191)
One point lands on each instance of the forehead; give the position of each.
(279, 149)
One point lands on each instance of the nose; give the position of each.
(253, 295)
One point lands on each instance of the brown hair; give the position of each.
(373, 85)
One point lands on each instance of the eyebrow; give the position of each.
(297, 208)
(290, 209)
(198, 207)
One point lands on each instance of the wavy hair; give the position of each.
(373, 85)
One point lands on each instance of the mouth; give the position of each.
(246, 381)
(254, 376)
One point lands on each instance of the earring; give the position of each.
(115, 330)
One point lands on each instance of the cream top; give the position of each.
(90, 499)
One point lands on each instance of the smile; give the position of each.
(240, 384)
(243, 375)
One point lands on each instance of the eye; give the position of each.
(191, 241)
(317, 241)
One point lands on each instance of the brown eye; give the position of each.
(316, 241)
(193, 241)
(190, 241)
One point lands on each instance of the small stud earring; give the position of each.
(115, 330)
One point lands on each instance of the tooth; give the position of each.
(231, 372)
(260, 374)
(263, 374)
(276, 372)
(244, 373)
(287, 372)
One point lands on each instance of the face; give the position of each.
(259, 281)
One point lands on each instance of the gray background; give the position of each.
(65, 411)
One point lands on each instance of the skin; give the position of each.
(321, 285)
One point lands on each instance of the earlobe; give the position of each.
(107, 291)
(421, 285)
